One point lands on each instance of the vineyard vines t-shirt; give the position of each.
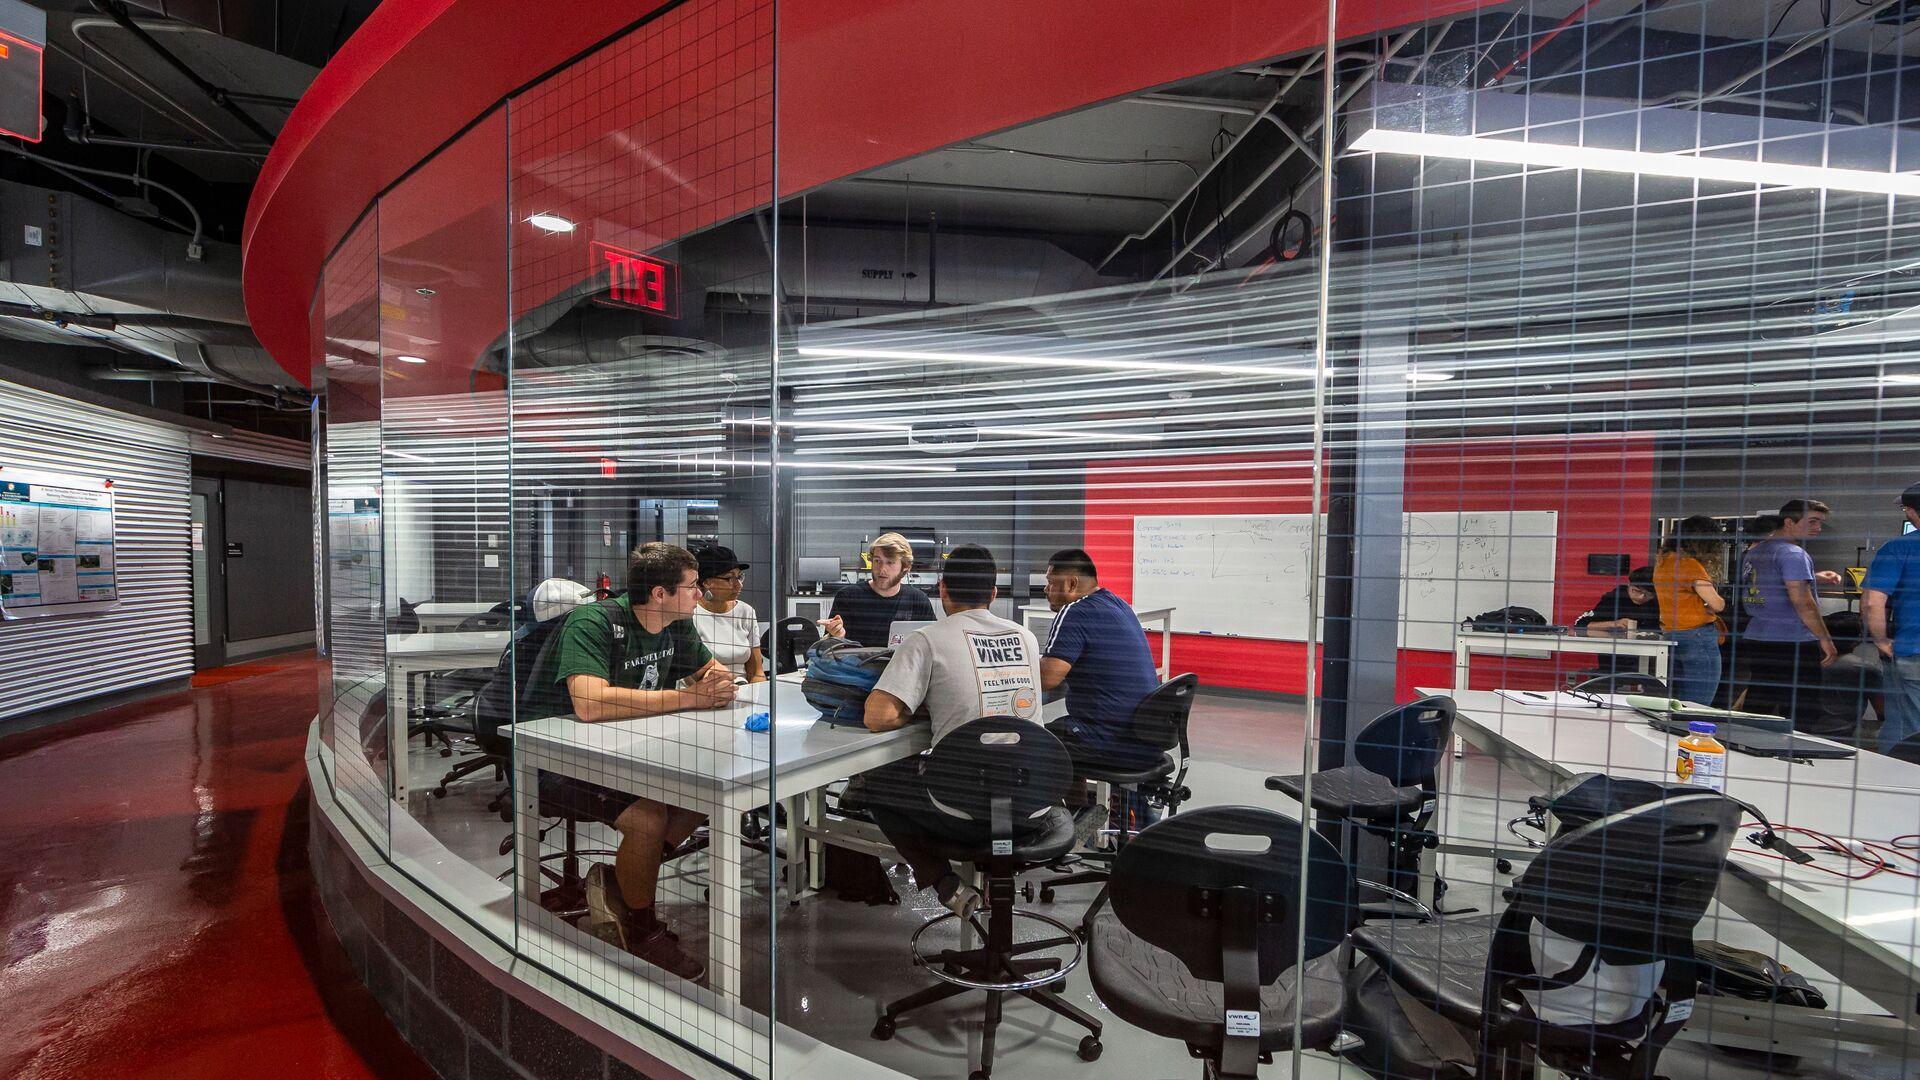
(974, 664)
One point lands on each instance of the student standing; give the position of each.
(1689, 601)
(864, 610)
(1892, 605)
(1785, 642)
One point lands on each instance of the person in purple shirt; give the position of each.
(1785, 642)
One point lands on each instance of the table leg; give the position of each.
(1462, 675)
(796, 846)
(526, 828)
(816, 860)
(1166, 647)
(724, 928)
(399, 707)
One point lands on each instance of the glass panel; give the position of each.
(635, 175)
(202, 589)
(349, 312)
(1619, 394)
(443, 296)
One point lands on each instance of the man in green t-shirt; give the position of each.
(636, 656)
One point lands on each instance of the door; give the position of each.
(209, 574)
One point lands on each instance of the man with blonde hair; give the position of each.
(864, 610)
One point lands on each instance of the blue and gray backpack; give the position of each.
(840, 674)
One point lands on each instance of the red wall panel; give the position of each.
(1602, 488)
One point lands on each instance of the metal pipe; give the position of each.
(1272, 103)
(193, 246)
(118, 13)
(1798, 47)
(1360, 83)
(980, 189)
(87, 137)
(183, 112)
(1199, 105)
(1572, 17)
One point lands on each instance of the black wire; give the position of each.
(1788, 10)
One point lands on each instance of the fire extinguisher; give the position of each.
(603, 587)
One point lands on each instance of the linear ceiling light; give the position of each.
(1096, 434)
(411, 359)
(922, 356)
(696, 462)
(1684, 166)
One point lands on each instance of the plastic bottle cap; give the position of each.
(1700, 727)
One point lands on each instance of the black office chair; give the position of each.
(1624, 682)
(998, 781)
(1628, 888)
(1389, 788)
(1219, 890)
(407, 621)
(785, 644)
(1160, 721)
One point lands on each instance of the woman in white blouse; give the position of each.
(726, 623)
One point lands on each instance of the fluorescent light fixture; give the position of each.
(1903, 915)
(411, 359)
(1901, 380)
(1429, 376)
(552, 223)
(1684, 166)
(1094, 434)
(1114, 364)
(697, 462)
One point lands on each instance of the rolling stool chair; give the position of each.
(566, 891)
(1624, 682)
(786, 642)
(1002, 780)
(1388, 790)
(1622, 890)
(1219, 890)
(1160, 721)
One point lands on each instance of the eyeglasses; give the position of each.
(736, 577)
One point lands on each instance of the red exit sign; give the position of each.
(637, 281)
(19, 87)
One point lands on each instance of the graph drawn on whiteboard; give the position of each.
(1241, 574)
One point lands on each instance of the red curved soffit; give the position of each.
(859, 87)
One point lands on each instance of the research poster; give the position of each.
(56, 542)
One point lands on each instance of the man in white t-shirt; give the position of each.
(971, 665)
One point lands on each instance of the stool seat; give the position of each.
(1124, 775)
(1351, 791)
(1041, 839)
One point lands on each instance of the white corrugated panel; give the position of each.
(252, 446)
(149, 636)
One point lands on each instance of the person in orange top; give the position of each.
(1689, 600)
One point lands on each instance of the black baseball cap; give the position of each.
(1910, 498)
(716, 561)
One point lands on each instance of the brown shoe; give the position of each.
(639, 932)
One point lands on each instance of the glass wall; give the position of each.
(1339, 557)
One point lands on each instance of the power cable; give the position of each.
(193, 246)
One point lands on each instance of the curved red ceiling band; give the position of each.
(858, 89)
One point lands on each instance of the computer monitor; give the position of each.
(818, 570)
(925, 544)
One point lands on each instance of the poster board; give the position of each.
(57, 553)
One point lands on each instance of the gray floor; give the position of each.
(838, 961)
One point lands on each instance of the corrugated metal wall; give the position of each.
(149, 637)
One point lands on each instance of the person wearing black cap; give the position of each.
(1892, 610)
(728, 624)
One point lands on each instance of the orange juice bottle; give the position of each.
(1702, 761)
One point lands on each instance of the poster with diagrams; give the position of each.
(56, 543)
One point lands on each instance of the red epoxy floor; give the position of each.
(155, 900)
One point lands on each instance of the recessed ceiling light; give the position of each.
(411, 359)
(425, 292)
(552, 223)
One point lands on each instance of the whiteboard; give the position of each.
(1241, 574)
(1247, 574)
(1454, 566)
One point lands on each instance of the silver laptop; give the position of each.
(898, 631)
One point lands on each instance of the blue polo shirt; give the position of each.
(1112, 672)
(1896, 572)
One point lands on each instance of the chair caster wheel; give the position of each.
(1090, 1048)
(1057, 986)
(446, 751)
(1046, 894)
(1026, 891)
(883, 1029)
(440, 792)
(1505, 866)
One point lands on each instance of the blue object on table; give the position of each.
(757, 722)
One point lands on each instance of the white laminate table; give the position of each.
(441, 615)
(1657, 651)
(409, 655)
(1038, 616)
(707, 761)
(1866, 933)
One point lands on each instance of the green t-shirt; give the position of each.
(595, 634)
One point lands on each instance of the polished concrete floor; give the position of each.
(155, 902)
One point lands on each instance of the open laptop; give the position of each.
(1759, 741)
(897, 632)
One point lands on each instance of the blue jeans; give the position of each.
(1696, 663)
(1902, 675)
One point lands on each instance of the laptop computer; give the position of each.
(1761, 742)
(897, 632)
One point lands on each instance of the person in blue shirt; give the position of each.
(1892, 609)
(1098, 650)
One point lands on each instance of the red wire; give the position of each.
(1877, 857)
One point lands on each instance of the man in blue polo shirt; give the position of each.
(1892, 606)
(1099, 651)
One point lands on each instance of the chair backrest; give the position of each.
(407, 621)
(1160, 720)
(1625, 682)
(1631, 886)
(1405, 745)
(1170, 884)
(785, 644)
(999, 771)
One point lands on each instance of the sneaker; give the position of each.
(1088, 821)
(959, 897)
(638, 932)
